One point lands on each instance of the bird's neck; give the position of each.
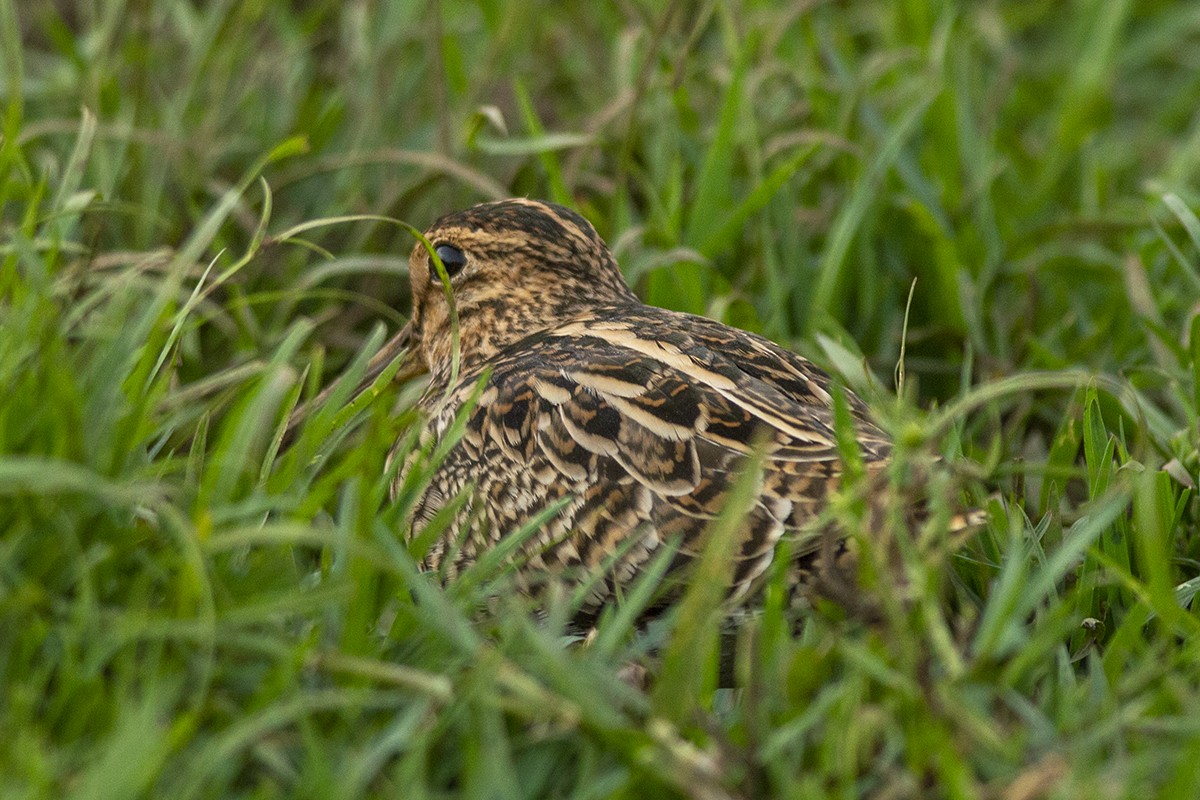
(489, 325)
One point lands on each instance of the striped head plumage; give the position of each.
(516, 267)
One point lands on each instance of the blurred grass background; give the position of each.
(186, 611)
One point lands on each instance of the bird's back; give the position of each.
(637, 420)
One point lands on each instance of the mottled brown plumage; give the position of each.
(640, 417)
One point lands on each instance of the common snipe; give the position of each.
(639, 415)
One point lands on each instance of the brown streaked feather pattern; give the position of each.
(638, 418)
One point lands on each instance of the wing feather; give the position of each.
(645, 422)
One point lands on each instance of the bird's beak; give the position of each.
(411, 367)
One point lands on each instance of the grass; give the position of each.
(192, 235)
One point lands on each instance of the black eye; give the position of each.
(452, 258)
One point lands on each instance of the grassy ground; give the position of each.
(185, 611)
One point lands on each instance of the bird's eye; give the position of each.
(452, 258)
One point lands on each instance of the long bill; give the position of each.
(392, 349)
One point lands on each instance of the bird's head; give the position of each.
(515, 268)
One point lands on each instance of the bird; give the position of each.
(632, 421)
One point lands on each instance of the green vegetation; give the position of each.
(189, 610)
